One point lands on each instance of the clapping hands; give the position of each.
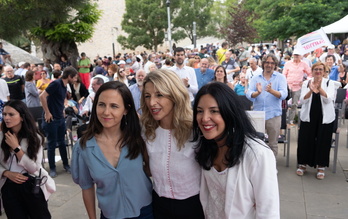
(315, 86)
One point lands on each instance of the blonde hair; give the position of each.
(191, 62)
(170, 86)
(211, 61)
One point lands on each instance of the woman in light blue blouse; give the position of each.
(110, 156)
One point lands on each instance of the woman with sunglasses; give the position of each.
(197, 61)
(121, 76)
(43, 82)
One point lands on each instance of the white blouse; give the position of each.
(217, 193)
(175, 173)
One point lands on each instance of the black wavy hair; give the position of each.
(237, 126)
(29, 131)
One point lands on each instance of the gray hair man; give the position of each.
(137, 88)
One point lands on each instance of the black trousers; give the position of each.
(20, 203)
(166, 208)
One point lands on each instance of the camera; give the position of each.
(36, 185)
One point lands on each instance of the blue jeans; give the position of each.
(55, 133)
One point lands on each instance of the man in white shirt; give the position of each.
(186, 73)
(4, 92)
(331, 51)
(26, 67)
(151, 59)
(96, 83)
(105, 79)
(251, 72)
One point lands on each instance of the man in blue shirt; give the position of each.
(52, 100)
(266, 91)
(204, 75)
(137, 88)
(334, 69)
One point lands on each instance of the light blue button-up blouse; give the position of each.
(121, 191)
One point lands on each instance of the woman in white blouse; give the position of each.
(167, 122)
(317, 122)
(239, 178)
(20, 161)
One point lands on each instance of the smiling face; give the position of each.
(160, 107)
(209, 118)
(110, 109)
(318, 70)
(220, 73)
(330, 61)
(269, 66)
(12, 119)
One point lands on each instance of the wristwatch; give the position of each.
(17, 149)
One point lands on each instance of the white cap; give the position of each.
(121, 62)
(20, 64)
(296, 52)
(331, 47)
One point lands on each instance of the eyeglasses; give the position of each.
(318, 69)
(270, 63)
(197, 58)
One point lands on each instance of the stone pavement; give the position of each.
(300, 197)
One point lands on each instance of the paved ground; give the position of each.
(301, 197)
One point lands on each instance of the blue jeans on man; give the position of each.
(55, 133)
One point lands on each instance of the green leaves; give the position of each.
(64, 20)
(286, 18)
(145, 21)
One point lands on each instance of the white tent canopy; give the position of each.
(340, 26)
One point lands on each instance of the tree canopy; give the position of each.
(57, 24)
(145, 21)
(286, 18)
(189, 11)
(238, 26)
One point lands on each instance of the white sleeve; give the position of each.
(193, 82)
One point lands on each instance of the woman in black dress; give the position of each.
(317, 118)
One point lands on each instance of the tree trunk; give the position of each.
(52, 51)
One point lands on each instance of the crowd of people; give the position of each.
(166, 135)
